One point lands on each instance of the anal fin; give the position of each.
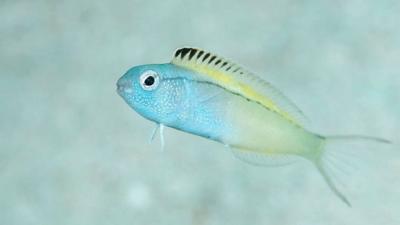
(264, 159)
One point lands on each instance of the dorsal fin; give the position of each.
(238, 80)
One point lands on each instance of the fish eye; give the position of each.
(149, 80)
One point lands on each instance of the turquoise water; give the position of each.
(72, 152)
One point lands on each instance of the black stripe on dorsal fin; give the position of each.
(206, 56)
(212, 59)
(195, 55)
(192, 52)
(200, 53)
(184, 52)
(178, 52)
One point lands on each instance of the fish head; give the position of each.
(152, 91)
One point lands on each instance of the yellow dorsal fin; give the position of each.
(234, 78)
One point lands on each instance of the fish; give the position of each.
(204, 94)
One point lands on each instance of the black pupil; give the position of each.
(149, 81)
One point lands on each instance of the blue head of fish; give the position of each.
(167, 94)
(153, 91)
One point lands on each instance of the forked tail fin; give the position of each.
(333, 154)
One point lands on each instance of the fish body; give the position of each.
(187, 103)
(209, 96)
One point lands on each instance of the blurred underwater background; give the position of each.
(72, 152)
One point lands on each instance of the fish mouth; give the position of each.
(124, 86)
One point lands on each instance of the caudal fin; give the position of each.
(334, 155)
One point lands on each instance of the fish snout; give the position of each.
(124, 86)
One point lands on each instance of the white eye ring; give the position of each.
(149, 80)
